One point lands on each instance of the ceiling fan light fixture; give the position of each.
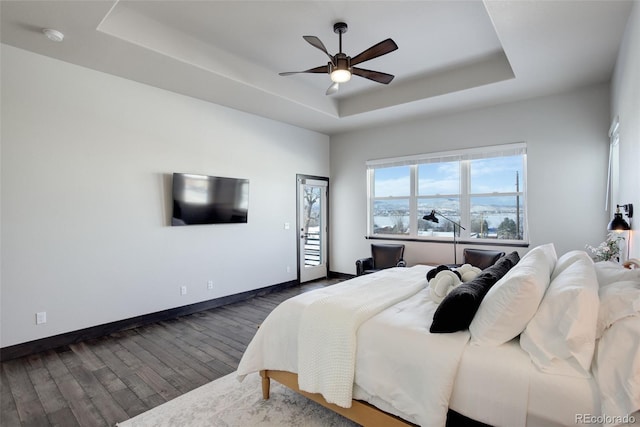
(341, 71)
(340, 76)
(340, 67)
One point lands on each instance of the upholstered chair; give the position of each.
(481, 258)
(382, 256)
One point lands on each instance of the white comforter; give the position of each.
(418, 388)
(328, 329)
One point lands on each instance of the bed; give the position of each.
(548, 342)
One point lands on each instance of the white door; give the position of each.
(312, 228)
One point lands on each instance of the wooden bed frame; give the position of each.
(360, 412)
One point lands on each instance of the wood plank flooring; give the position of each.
(104, 381)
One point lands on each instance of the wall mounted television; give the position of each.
(203, 199)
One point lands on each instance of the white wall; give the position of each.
(625, 103)
(85, 197)
(567, 160)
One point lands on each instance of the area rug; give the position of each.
(230, 403)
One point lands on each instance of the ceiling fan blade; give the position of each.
(376, 76)
(333, 88)
(375, 51)
(320, 69)
(317, 43)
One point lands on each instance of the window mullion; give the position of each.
(413, 202)
(465, 201)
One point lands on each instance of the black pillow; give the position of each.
(457, 309)
(513, 258)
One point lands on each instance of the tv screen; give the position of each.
(202, 199)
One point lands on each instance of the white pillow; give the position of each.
(566, 260)
(514, 299)
(611, 272)
(618, 300)
(560, 338)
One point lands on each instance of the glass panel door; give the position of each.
(312, 228)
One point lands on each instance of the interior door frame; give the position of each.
(299, 179)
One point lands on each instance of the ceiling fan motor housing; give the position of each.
(343, 62)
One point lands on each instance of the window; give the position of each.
(482, 189)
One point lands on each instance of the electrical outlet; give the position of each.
(183, 290)
(288, 269)
(210, 284)
(41, 317)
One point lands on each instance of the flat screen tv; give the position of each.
(202, 199)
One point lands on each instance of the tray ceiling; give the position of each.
(452, 55)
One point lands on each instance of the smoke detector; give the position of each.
(53, 35)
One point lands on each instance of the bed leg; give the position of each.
(266, 384)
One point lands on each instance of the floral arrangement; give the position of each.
(609, 250)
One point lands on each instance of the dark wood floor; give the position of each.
(104, 381)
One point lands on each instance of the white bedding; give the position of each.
(403, 369)
(477, 389)
(617, 368)
(401, 363)
(523, 394)
(328, 329)
(401, 330)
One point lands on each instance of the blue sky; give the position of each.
(487, 176)
(496, 174)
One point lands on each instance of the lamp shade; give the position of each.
(431, 217)
(618, 223)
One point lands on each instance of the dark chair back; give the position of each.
(386, 256)
(481, 258)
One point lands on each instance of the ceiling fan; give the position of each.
(341, 67)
